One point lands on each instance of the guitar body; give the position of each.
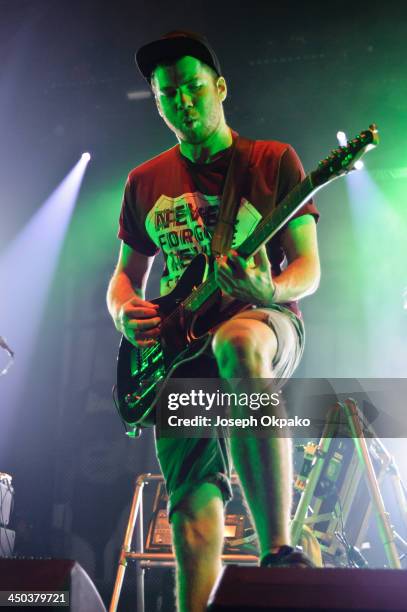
(185, 335)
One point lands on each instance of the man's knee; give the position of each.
(244, 347)
(198, 524)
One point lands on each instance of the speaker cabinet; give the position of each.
(50, 575)
(244, 589)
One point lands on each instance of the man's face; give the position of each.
(189, 98)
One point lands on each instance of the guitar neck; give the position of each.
(265, 230)
(278, 217)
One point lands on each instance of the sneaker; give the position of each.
(286, 557)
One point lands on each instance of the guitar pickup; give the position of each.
(157, 357)
(132, 399)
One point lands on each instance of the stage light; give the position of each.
(359, 165)
(341, 136)
(85, 157)
(43, 237)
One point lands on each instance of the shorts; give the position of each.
(186, 463)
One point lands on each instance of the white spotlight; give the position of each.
(85, 157)
(359, 165)
(341, 136)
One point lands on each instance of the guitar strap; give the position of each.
(232, 192)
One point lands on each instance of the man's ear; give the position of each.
(156, 100)
(158, 106)
(222, 88)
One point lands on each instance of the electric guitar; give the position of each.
(195, 308)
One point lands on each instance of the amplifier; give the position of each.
(159, 533)
(239, 535)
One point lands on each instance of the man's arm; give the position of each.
(302, 274)
(256, 285)
(133, 316)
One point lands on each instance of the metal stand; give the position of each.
(354, 420)
(382, 517)
(308, 492)
(143, 559)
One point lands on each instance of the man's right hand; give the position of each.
(139, 322)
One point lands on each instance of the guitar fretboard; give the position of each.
(264, 231)
(279, 216)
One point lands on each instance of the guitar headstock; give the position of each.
(342, 160)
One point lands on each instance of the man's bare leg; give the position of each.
(197, 529)
(245, 348)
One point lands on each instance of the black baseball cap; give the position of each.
(172, 46)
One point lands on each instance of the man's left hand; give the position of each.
(249, 284)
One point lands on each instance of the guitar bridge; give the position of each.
(145, 387)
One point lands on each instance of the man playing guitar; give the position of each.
(171, 203)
